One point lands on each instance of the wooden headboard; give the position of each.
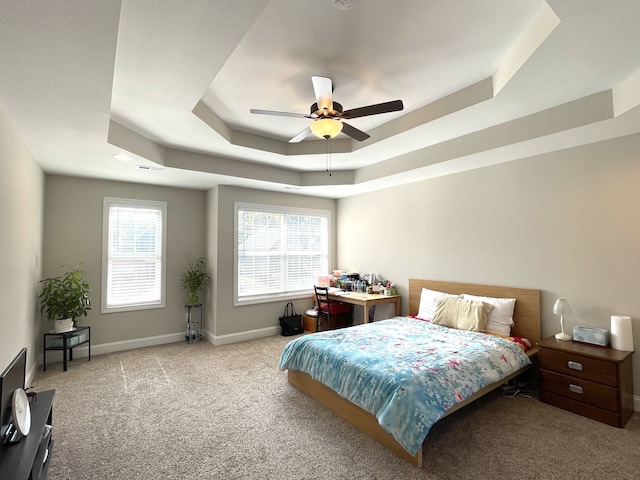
(527, 311)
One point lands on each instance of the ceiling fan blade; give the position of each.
(301, 136)
(386, 107)
(324, 92)
(354, 133)
(281, 114)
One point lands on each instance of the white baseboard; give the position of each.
(218, 340)
(82, 351)
(137, 343)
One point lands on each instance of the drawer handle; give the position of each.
(576, 388)
(574, 365)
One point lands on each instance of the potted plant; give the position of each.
(195, 278)
(65, 298)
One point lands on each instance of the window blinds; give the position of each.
(134, 263)
(279, 251)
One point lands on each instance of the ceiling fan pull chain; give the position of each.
(329, 155)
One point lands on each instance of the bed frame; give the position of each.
(527, 324)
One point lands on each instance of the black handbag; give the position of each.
(291, 322)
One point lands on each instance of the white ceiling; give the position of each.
(171, 84)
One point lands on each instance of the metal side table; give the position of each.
(66, 341)
(194, 322)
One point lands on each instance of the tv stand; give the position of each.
(31, 456)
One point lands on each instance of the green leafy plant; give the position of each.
(65, 296)
(195, 278)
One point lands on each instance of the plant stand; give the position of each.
(66, 342)
(194, 322)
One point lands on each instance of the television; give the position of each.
(11, 379)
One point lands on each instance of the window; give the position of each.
(280, 251)
(133, 254)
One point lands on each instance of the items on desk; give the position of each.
(389, 289)
(369, 283)
(338, 273)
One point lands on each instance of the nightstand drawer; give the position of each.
(595, 394)
(579, 366)
(583, 409)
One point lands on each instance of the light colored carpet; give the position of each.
(202, 412)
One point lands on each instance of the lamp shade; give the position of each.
(326, 127)
(562, 307)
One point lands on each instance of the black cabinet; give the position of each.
(29, 459)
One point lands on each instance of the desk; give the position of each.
(367, 300)
(66, 341)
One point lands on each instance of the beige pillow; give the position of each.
(462, 314)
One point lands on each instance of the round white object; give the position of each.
(21, 411)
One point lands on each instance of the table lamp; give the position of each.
(562, 308)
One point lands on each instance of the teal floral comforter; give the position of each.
(406, 372)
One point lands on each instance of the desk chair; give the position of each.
(330, 310)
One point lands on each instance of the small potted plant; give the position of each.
(65, 298)
(195, 278)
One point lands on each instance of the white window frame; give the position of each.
(143, 204)
(284, 210)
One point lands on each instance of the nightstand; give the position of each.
(592, 381)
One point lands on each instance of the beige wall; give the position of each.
(21, 193)
(73, 233)
(566, 223)
(232, 323)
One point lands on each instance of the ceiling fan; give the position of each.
(327, 115)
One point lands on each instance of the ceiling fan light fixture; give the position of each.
(335, 110)
(326, 128)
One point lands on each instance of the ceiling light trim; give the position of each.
(531, 128)
(526, 45)
(126, 139)
(626, 95)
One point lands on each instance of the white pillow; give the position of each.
(428, 300)
(501, 317)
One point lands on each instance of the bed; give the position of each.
(405, 440)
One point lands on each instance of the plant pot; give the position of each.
(61, 326)
(193, 299)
